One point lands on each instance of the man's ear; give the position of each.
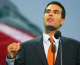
(62, 21)
(43, 19)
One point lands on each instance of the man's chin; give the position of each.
(51, 28)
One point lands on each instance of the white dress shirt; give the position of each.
(46, 44)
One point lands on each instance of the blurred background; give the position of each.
(21, 20)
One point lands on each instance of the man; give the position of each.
(35, 51)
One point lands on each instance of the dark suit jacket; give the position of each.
(32, 52)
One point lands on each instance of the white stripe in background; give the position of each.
(14, 33)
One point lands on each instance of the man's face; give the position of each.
(52, 16)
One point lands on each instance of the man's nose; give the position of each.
(50, 14)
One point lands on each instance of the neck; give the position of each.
(50, 33)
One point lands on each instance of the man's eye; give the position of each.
(56, 12)
(47, 11)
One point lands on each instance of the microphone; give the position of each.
(57, 35)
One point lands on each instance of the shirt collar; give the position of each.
(46, 38)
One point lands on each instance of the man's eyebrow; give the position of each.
(56, 10)
(50, 10)
(47, 10)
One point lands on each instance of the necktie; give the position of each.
(51, 53)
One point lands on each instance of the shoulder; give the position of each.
(69, 40)
(32, 41)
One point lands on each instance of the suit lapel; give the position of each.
(40, 50)
(58, 59)
(57, 62)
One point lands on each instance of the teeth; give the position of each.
(50, 19)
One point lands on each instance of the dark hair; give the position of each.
(59, 4)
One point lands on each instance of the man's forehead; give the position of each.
(54, 7)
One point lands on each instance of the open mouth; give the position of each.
(50, 19)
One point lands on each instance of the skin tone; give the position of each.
(52, 17)
(12, 50)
